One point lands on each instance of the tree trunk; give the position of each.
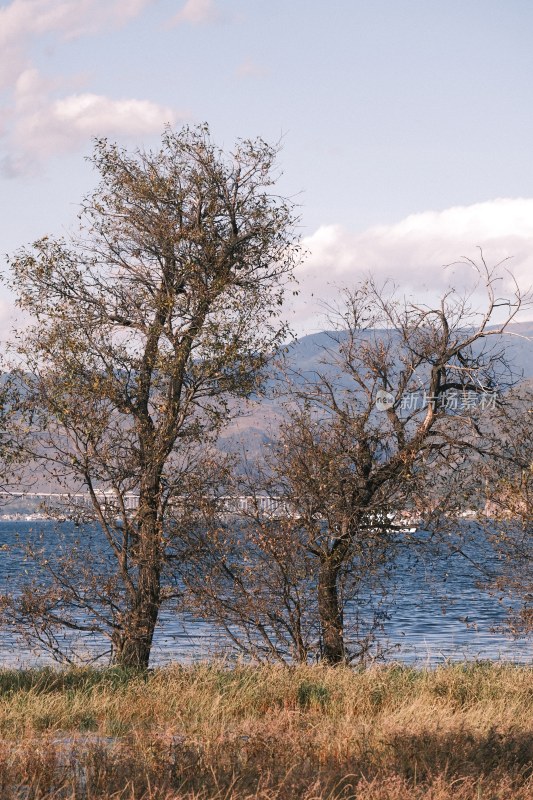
(133, 646)
(134, 643)
(330, 614)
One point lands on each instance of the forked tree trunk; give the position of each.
(330, 614)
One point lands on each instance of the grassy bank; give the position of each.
(462, 731)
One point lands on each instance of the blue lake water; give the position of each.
(437, 614)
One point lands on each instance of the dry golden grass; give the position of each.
(392, 733)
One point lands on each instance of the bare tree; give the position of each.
(249, 574)
(378, 437)
(255, 573)
(145, 325)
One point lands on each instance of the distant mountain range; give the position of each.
(306, 352)
(258, 420)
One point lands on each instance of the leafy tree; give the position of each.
(164, 308)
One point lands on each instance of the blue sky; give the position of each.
(407, 125)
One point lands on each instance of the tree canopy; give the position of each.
(144, 325)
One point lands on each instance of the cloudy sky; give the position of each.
(407, 125)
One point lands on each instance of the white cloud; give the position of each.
(198, 12)
(44, 126)
(23, 20)
(36, 122)
(413, 252)
(86, 113)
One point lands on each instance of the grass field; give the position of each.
(458, 731)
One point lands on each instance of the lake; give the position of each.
(438, 612)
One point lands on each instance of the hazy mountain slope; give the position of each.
(256, 421)
(306, 355)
